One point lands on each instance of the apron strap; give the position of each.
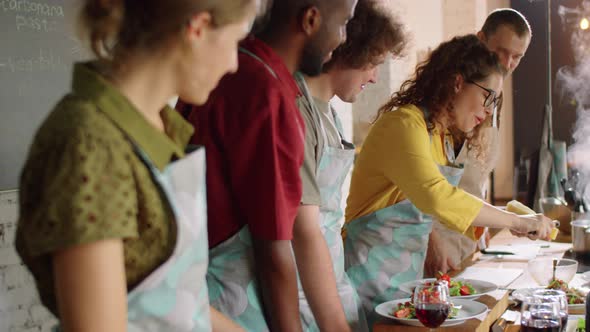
(346, 144)
(449, 150)
(495, 117)
(151, 166)
(138, 151)
(447, 145)
(315, 112)
(256, 57)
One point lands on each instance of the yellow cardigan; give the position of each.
(398, 160)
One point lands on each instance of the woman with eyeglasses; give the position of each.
(406, 173)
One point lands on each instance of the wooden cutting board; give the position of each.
(497, 308)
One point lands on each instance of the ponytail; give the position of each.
(102, 20)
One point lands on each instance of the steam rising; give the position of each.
(573, 87)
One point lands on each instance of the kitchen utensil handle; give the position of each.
(555, 222)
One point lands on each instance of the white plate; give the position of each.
(481, 287)
(521, 294)
(586, 275)
(580, 306)
(469, 309)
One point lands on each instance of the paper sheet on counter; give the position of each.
(512, 316)
(524, 252)
(501, 277)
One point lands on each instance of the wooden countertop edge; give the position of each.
(494, 313)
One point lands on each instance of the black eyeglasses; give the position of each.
(491, 98)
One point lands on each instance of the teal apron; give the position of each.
(231, 276)
(334, 165)
(231, 280)
(174, 296)
(388, 247)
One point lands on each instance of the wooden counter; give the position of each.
(497, 307)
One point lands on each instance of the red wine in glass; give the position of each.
(432, 315)
(544, 326)
(552, 295)
(432, 303)
(542, 322)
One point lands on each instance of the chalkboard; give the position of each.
(20, 307)
(39, 44)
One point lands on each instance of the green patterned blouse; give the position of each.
(82, 181)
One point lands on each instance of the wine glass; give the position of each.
(554, 295)
(432, 303)
(540, 315)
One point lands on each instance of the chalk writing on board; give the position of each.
(32, 8)
(44, 60)
(33, 16)
(30, 23)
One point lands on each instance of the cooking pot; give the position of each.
(581, 236)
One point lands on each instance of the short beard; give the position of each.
(312, 61)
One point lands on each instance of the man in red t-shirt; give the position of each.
(254, 139)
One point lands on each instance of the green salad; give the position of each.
(457, 287)
(581, 325)
(574, 296)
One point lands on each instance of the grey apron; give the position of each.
(231, 277)
(388, 247)
(474, 181)
(333, 167)
(174, 296)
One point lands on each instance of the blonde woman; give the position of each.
(114, 237)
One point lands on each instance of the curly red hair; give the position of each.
(432, 85)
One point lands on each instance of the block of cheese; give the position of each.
(554, 233)
(517, 207)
